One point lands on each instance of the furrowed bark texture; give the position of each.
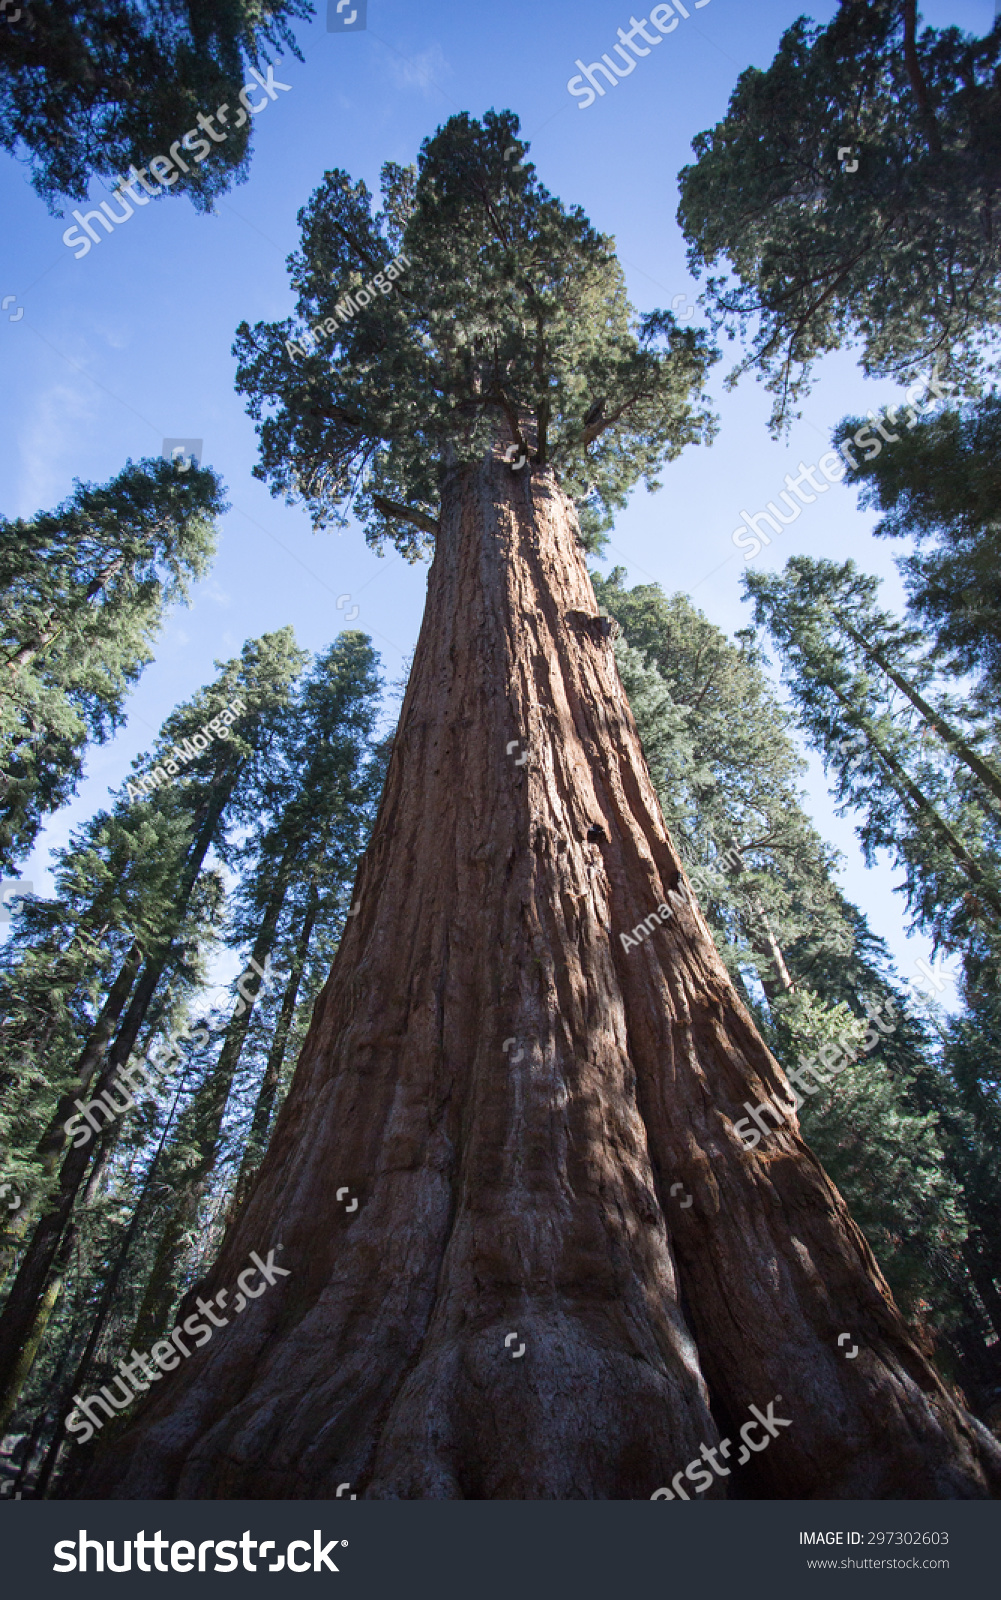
(521, 1107)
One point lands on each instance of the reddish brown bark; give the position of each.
(528, 1190)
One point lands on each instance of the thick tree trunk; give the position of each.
(513, 1099)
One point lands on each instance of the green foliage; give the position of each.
(511, 321)
(884, 1156)
(93, 87)
(292, 793)
(263, 678)
(83, 592)
(116, 883)
(133, 878)
(899, 255)
(914, 798)
(726, 772)
(296, 864)
(940, 483)
(320, 809)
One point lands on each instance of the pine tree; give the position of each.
(53, 1226)
(94, 86)
(941, 485)
(919, 796)
(221, 743)
(103, 1274)
(318, 803)
(508, 1094)
(891, 245)
(921, 800)
(83, 592)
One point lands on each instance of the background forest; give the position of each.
(244, 835)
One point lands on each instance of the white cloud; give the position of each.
(58, 415)
(423, 71)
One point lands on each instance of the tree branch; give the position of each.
(393, 510)
(338, 414)
(918, 84)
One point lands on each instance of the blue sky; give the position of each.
(132, 344)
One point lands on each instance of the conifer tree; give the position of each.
(940, 484)
(120, 1206)
(892, 245)
(219, 744)
(318, 804)
(83, 592)
(920, 795)
(91, 87)
(508, 1094)
(54, 1226)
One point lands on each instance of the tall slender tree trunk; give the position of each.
(512, 1098)
(211, 1102)
(26, 1305)
(53, 1289)
(26, 1301)
(928, 816)
(104, 1306)
(264, 1105)
(54, 624)
(945, 730)
(774, 973)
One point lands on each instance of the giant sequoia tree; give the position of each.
(894, 247)
(511, 1095)
(88, 86)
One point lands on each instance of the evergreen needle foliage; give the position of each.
(940, 484)
(97, 85)
(513, 310)
(83, 593)
(900, 254)
(916, 794)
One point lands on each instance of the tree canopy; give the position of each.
(925, 781)
(940, 485)
(510, 308)
(898, 253)
(83, 592)
(94, 86)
